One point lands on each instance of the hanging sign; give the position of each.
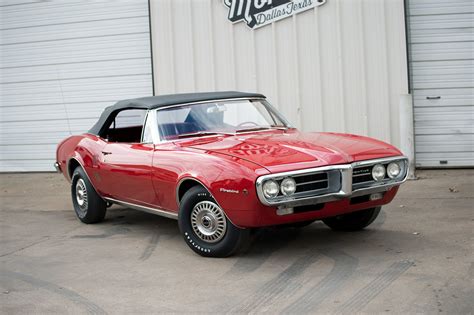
(258, 13)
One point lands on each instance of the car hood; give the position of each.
(280, 151)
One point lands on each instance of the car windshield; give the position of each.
(224, 117)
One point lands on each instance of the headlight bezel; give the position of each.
(398, 165)
(383, 172)
(282, 185)
(265, 191)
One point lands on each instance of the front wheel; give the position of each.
(205, 227)
(353, 221)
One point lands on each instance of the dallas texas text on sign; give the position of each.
(258, 13)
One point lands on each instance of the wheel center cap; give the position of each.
(206, 222)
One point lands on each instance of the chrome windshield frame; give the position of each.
(272, 110)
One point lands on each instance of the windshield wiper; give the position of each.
(280, 127)
(203, 133)
(252, 129)
(261, 128)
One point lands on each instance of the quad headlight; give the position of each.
(378, 172)
(288, 186)
(270, 189)
(394, 169)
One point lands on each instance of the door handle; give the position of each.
(433, 97)
(106, 153)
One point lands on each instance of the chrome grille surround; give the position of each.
(339, 183)
(359, 169)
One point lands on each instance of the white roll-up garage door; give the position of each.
(62, 62)
(441, 43)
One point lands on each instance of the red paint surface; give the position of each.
(149, 174)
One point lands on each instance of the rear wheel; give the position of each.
(205, 227)
(353, 221)
(88, 205)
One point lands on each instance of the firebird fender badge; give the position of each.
(232, 191)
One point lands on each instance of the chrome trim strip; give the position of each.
(157, 211)
(346, 183)
(211, 101)
(57, 166)
(376, 161)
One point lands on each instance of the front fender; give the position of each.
(230, 181)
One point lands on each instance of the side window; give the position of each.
(148, 129)
(127, 126)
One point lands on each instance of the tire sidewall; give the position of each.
(96, 207)
(81, 214)
(225, 246)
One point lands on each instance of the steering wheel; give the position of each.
(251, 123)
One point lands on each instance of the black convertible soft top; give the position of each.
(152, 102)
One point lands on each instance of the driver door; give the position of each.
(125, 162)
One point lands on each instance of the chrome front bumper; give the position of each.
(57, 166)
(344, 190)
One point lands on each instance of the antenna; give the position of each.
(62, 98)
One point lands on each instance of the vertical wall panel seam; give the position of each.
(365, 75)
(151, 49)
(212, 44)
(298, 72)
(275, 62)
(391, 110)
(340, 64)
(407, 45)
(364, 71)
(254, 57)
(232, 57)
(173, 49)
(193, 48)
(321, 90)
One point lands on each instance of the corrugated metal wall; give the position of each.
(442, 62)
(339, 67)
(62, 62)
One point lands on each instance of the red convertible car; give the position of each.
(224, 163)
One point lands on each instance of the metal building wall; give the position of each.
(61, 63)
(442, 63)
(340, 67)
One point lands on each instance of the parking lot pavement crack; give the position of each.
(344, 267)
(72, 296)
(284, 285)
(27, 246)
(363, 297)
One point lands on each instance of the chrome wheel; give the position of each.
(81, 194)
(208, 221)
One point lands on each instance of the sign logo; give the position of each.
(258, 13)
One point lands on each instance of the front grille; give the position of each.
(362, 174)
(329, 183)
(313, 184)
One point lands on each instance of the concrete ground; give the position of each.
(416, 258)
